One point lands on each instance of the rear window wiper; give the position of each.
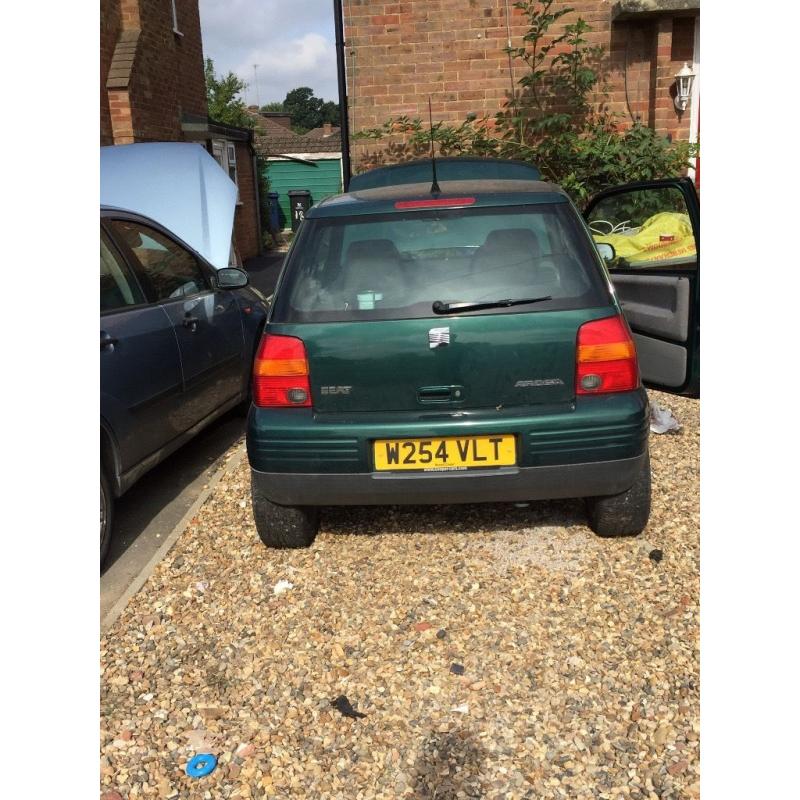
(454, 308)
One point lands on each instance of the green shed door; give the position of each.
(322, 178)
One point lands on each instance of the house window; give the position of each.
(218, 151)
(224, 153)
(232, 163)
(175, 28)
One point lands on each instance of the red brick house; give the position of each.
(399, 53)
(152, 89)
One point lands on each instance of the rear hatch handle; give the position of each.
(440, 394)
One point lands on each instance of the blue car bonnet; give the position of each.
(180, 186)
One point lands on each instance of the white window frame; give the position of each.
(175, 28)
(694, 108)
(219, 153)
(224, 152)
(230, 150)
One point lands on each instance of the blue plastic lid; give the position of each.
(201, 765)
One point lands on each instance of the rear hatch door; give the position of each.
(494, 360)
(362, 292)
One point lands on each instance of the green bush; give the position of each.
(552, 120)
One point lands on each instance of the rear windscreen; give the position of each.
(395, 266)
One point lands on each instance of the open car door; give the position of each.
(654, 229)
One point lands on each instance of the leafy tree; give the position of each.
(309, 111)
(306, 110)
(224, 103)
(330, 112)
(276, 106)
(552, 120)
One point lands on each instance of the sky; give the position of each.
(291, 41)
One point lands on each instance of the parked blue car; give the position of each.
(178, 327)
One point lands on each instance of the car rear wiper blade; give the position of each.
(454, 308)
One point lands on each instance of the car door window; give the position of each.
(649, 228)
(118, 287)
(171, 271)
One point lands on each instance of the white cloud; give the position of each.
(292, 42)
(307, 61)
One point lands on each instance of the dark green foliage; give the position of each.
(308, 111)
(276, 106)
(557, 119)
(330, 112)
(224, 103)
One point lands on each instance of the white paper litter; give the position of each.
(282, 586)
(662, 419)
(462, 709)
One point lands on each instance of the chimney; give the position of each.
(326, 129)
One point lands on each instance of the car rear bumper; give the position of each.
(593, 446)
(506, 484)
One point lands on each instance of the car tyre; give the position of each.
(106, 516)
(624, 514)
(284, 527)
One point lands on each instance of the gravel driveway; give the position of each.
(580, 655)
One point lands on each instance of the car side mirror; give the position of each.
(607, 251)
(231, 278)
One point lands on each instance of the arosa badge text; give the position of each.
(438, 337)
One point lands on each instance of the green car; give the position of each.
(468, 345)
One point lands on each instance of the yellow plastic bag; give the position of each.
(663, 236)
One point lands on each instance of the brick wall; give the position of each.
(157, 76)
(245, 230)
(110, 26)
(166, 70)
(399, 53)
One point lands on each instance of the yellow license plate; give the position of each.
(448, 453)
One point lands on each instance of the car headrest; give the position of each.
(372, 264)
(373, 249)
(513, 239)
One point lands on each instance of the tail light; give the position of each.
(606, 357)
(280, 373)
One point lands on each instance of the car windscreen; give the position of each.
(396, 266)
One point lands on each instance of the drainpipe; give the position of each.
(256, 179)
(340, 72)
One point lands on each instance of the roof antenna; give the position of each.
(435, 185)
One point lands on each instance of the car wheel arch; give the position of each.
(254, 351)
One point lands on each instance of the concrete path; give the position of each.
(264, 270)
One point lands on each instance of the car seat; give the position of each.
(510, 251)
(373, 265)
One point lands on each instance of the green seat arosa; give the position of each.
(458, 346)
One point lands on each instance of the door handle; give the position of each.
(190, 322)
(440, 394)
(107, 341)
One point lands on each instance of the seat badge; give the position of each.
(343, 390)
(438, 337)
